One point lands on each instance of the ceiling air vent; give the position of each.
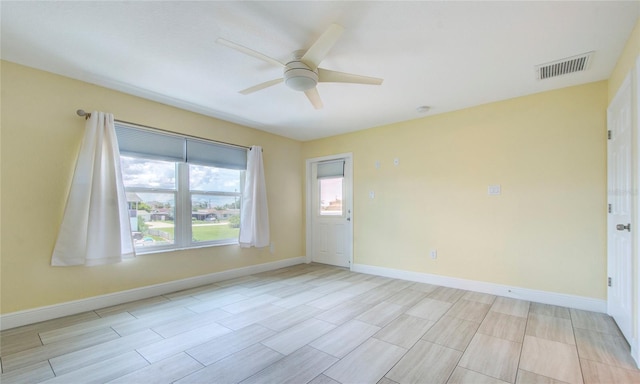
(564, 66)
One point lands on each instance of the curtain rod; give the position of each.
(87, 115)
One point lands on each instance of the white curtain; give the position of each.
(254, 219)
(95, 229)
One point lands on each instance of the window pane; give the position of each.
(152, 218)
(144, 173)
(203, 178)
(330, 196)
(214, 217)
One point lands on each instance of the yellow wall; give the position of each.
(547, 229)
(41, 135)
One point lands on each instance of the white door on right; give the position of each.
(619, 196)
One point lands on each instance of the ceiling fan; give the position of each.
(302, 73)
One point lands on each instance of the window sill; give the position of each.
(141, 252)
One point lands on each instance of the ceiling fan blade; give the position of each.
(314, 97)
(258, 87)
(321, 47)
(249, 51)
(328, 76)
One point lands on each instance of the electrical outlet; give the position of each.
(434, 254)
(396, 161)
(372, 194)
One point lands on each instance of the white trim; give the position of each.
(619, 305)
(309, 204)
(635, 216)
(560, 299)
(35, 315)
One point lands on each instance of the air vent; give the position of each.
(565, 66)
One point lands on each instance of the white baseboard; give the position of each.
(35, 315)
(560, 299)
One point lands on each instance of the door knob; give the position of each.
(622, 227)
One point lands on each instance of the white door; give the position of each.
(619, 196)
(329, 236)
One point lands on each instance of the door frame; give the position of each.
(635, 204)
(309, 201)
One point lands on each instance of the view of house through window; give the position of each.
(152, 193)
(152, 218)
(151, 196)
(330, 196)
(215, 203)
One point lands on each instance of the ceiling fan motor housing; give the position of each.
(299, 77)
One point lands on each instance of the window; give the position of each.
(215, 203)
(182, 192)
(330, 177)
(330, 196)
(151, 195)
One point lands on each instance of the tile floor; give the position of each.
(320, 324)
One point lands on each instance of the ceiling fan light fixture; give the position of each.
(300, 79)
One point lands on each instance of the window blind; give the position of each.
(147, 143)
(221, 156)
(328, 169)
(151, 145)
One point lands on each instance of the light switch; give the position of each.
(494, 190)
(396, 161)
(372, 194)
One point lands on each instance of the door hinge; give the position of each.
(622, 227)
(609, 134)
(609, 281)
(609, 208)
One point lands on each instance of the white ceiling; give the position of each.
(447, 55)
